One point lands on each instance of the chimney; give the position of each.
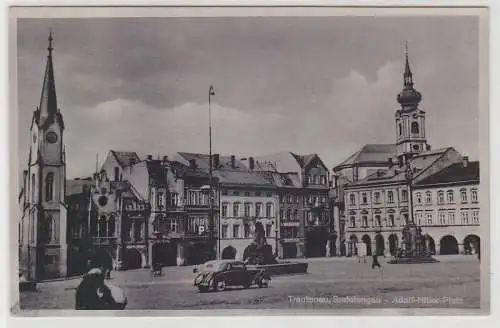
(150, 157)
(165, 159)
(233, 162)
(391, 163)
(192, 163)
(216, 160)
(465, 161)
(252, 163)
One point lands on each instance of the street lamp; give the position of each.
(211, 93)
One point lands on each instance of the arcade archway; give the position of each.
(448, 245)
(368, 242)
(393, 244)
(133, 259)
(379, 245)
(429, 244)
(352, 246)
(471, 244)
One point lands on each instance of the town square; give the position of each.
(149, 180)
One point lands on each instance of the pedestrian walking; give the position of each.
(375, 262)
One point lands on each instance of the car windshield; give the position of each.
(214, 266)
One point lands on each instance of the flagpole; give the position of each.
(210, 172)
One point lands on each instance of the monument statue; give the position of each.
(259, 252)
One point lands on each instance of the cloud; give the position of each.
(123, 124)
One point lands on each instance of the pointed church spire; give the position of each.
(48, 99)
(409, 96)
(408, 76)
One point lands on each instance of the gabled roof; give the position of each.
(396, 174)
(455, 173)
(126, 158)
(369, 154)
(244, 178)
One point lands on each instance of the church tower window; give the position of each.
(49, 186)
(414, 128)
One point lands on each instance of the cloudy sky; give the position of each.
(323, 85)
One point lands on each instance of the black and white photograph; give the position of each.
(274, 161)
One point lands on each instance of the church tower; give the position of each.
(410, 120)
(44, 188)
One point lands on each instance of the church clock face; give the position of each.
(51, 137)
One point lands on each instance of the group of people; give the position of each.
(94, 294)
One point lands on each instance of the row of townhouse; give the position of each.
(445, 204)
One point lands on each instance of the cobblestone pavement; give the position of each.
(454, 282)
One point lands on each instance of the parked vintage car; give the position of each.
(217, 275)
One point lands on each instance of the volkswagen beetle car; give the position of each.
(217, 275)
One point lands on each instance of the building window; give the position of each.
(391, 220)
(49, 186)
(414, 127)
(418, 196)
(390, 196)
(295, 215)
(441, 197)
(352, 199)
(451, 218)
(224, 192)
(117, 173)
(246, 210)
(475, 217)
(247, 194)
(377, 197)
(405, 218)
(258, 209)
(378, 222)
(268, 230)
(236, 231)
(428, 197)
(224, 210)
(474, 195)
(297, 199)
(269, 210)
(463, 195)
(352, 222)
(288, 214)
(281, 214)
(449, 196)
(224, 231)
(465, 217)
(246, 230)
(289, 199)
(365, 221)
(160, 199)
(236, 193)
(400, 129)
(404, 195)
(269, 194)
(236, 210)
(429, 218)
(364, 198)
(50, 229)
(442, 219)
(419, 219)
(137, 230)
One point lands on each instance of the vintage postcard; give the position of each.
(203, 161)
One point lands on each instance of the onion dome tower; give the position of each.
(410, 120)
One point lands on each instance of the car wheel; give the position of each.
(263, 283)
(220, 285)
(202, 289)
